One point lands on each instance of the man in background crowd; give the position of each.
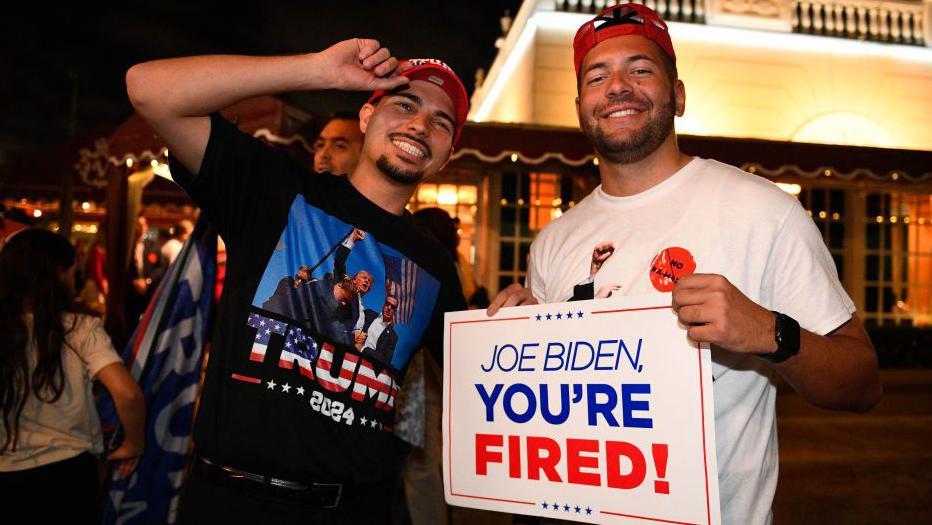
(338, 146)
(179, 234)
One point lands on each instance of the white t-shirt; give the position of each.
(50, 432)
(723, 221)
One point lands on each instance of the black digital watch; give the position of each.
(786, 334)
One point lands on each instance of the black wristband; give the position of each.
(786, 334)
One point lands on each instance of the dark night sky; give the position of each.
(51, 54)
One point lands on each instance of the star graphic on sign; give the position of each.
(262, 322)
(300, 391)
(267, 332)
(579, 314)
(588, 510)
(373, 423)
(569, 315)
(566, 508)
(278, 328)
(559, 315)
(549, 317)
(578, 509)
(286, 388)
(539, 317)
(544, 505)
(555, 506)
(363, 421)
(271, 385)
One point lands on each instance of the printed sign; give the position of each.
(597, 411)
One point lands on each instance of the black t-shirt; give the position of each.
(292, 390)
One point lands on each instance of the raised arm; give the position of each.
(175, 96)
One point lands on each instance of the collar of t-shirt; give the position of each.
(362, 205)
(651, 194)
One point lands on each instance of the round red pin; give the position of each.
(669, 265)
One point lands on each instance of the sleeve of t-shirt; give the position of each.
(534, 280)
(451, 300)
(241, 178)
(802, 277)
(93, 345)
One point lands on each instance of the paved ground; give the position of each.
(872, 468)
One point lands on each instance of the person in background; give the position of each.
(179, 234)
(423, 481)
(96, 269)
(94, 286)
(446, 230)
(49, 357)
(145, 271)
(338, 146)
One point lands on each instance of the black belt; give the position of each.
(310, 494)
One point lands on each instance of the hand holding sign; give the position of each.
(513, 295)
(716, 312)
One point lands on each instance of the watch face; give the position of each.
(786, 335)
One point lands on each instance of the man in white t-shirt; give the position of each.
(747, 268)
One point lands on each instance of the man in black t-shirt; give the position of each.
(295, 423)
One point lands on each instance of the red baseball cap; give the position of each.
(438, 73)
(621, 20)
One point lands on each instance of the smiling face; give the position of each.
(627, 100)
(409, 133)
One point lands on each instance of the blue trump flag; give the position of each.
(165, 356)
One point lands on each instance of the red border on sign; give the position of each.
(450, 404)
(705, 465)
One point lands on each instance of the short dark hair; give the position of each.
(342, 115)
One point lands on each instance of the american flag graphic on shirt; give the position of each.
(401, 281)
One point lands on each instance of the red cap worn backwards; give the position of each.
(438, 73)
(621, 20)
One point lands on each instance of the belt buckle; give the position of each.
(336, 500)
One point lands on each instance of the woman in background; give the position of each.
(49, 356)
(96, 288)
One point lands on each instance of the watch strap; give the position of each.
(787, 336)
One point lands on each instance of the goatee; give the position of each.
(640, 144)
(397, 173)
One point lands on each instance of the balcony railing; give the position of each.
(671, 10)
(895, 21)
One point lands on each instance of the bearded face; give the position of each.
(628, 98)
(627, 147)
